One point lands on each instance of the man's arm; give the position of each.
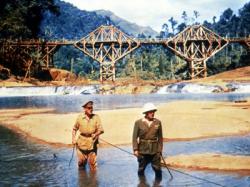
(160, 139)
(99, 128)
(134, 139)
(74, 130)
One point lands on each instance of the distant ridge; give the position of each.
(73, 23)
(126, 26)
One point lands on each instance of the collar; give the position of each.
(84, 116)
(149, 123)
(146, 120)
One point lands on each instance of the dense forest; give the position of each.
(54, 19)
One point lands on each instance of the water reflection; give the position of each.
(143, 182)
(87, 178)
(233, 145)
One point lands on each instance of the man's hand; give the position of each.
(74, 142)
(136, 153)
(94, 135)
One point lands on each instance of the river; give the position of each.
(27, 163)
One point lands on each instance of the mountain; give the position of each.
(126, 26)
(73, 23)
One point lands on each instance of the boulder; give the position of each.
(61, 75)
(4, 73)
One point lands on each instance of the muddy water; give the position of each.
(26, 163)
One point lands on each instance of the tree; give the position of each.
(244, 14)
(181, 27)
(214, 19)
(165, 30)
(223, 26)
(196, 15)
(173, 22)
(184, 17)
(21, 19)
(227, 15)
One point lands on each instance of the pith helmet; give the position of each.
(87, 103)
(148, 107)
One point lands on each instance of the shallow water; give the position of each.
(73, 103)
(26, 163)
(233, 145)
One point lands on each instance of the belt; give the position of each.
(86, 135)
(150, 141)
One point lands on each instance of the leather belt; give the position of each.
(86, 135)
(143, 140)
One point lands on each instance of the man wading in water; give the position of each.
(148, 141)
(89, 127)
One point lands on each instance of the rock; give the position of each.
(4, 73)
(61, 75)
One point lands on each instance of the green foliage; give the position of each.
(150, 62)
(72, 23)
(49, 19)
(21, 19)
(228, 25)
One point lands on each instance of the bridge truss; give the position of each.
(107, 45)
(196, 44)
(28, 52)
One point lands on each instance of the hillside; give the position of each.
(241, 75)
(126, 26)
(73, 23)
(236, 75)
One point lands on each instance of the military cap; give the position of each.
(88, 103)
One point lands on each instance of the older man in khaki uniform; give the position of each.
(89, 127)
(148, 141)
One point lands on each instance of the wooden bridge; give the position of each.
(107, 45)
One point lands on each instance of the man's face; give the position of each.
(150, 115)
(88, 109)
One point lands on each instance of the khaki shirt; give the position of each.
(85, 126)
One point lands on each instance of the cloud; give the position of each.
(156, 13)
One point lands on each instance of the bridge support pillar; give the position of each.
(198, 69)
(107, 71)
(47, 57)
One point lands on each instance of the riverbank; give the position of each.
(133, 85)
(182, 120)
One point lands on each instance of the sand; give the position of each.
(181, 120)
(210, 161)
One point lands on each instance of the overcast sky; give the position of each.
(155, 13)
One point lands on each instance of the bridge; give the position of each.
(107, 45)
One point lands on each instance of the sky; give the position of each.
(155, 13)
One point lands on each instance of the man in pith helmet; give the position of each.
(148, 141)
(89, 127)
